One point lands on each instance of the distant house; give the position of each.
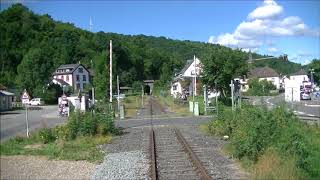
(184, 80)
(265, 73)
(6, 99)
(179, 87)
(300, 76)
(74, 75)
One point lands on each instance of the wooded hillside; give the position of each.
(33, 46)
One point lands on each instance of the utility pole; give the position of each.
(216, 90)
(194, 79)
(110, 100)
(232, 98)
(195, 75)
(92, 89)
(142, 92)
(27, 120)
(118, 94)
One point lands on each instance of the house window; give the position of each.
(78, 78)
(80, 70)
(67, 77)
(84, 78)
(78, 85)
(175, 87)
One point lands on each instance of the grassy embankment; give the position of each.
(173, 106)
(132, 104)
(270, 144)
(78, 139)
(183, 109)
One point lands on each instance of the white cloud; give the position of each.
(306, 62)
(273, 50)
(264, 22)
(303, 54)
(269, 9)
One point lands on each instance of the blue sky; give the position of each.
(267, 27)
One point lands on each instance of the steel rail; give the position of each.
(193, 157)
(154, 172)
(201, 171)
(152, 148)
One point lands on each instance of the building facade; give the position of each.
(300, 77)
(73, 75)
(183, 83)
(266, 73)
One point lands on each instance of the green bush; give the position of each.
(47, 135)
(260, 88)
(253, 130)
(87, 124)
(62, 132)
(84, 124)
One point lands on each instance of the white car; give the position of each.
(305, 96)
(36, 102)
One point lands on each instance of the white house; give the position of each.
(299, 77)
(184, 80)
(74, 75)
(179, 86)
(265, 73)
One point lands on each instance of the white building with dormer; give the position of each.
(74, 75)
(183, 83)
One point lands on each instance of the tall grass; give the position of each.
(275, 141)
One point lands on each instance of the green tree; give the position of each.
(34, 71)
(260, 88)
(221, 66)
(315, 65)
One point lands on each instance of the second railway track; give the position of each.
(171, 155)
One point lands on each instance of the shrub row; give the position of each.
(82, 124)
(254, 130)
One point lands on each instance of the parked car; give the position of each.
(305, 96)
(36, 102)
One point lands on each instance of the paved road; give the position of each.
(302, 108)
(13, 123)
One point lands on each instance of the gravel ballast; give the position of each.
(123, 165)
(38, 167)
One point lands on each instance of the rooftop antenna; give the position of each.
(90, 24)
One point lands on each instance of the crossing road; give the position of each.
(13, 123)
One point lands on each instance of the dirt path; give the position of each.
(37, 167)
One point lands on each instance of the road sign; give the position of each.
(25, 98)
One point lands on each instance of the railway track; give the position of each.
(171, 156)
